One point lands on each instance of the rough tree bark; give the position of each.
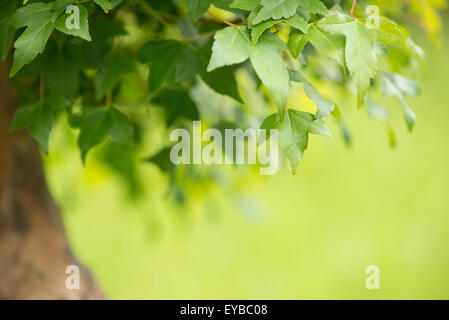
(34, 251)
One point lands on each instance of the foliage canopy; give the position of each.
(163, 50)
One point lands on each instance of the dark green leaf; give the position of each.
(162, 56)
(104, 4)
(177, 104)
(38, 118)
(197, 8)
(116, 65)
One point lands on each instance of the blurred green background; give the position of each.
(308, 236)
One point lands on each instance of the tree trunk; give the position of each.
(34, 252)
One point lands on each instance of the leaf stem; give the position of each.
(41, 87)
(108, 99)
(202, 35)
(352, 10)
(216, 16)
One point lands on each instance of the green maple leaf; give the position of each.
(163, 161)
(329, 45)
(177, 103)
(161, 55)
(32, 12)
(394, 84)
(39, 118)
(277, 9)
(95, 126)
(110, 73)
(294, 130)
(188, 64)
(59, 6)
(197, 8)
(271, 69)
(360, 58)
(232, 45)
(37, 18)
(122, 130)
(7, 31)
(248, 5)
(379, 111)
(40, 20)
(172, 62)
(296, 21)
(99, 123)
(62, 66)
(82, 32)
(31, 43)
(104, 4)
(388, 31)
(221, 80)
(227, 5)
(324, 105)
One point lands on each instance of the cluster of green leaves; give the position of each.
(352, 43)
(80, 72)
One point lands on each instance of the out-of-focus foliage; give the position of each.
(304, 237)
(424, 13)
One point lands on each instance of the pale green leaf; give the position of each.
(294, 131)
(360, 58)
(232, 45)
(388, 31)
(394, 84)
(324, 105)
(248, 5)
(278, 9)
(271, 69)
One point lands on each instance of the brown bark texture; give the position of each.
(34, 252)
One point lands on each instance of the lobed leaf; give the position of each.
(294, 130)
